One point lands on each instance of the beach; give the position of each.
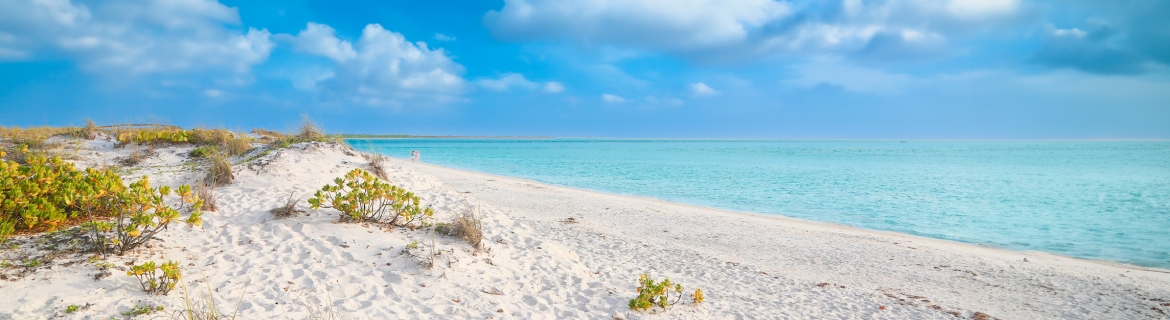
(553, 252)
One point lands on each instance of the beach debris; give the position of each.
(570, 220)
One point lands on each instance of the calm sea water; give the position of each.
(1101, 200)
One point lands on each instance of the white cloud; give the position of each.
(553, 87)
(507, 82)
(128, 37)
(700, 89)
(213, 93)
(319, 39)
(732, 30)
(384, 68)
(443, 37)
(678, 25)
(610, 98)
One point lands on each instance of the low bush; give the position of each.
(361, 197)
(141, 213)
(202, 152)
(48, 193)
(153, 136)
(154, 282)
(657, 294)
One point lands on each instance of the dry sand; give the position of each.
(541, 264)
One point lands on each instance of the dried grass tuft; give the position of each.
(377, 164)
(309, 131)
(289, 208)
(469, 226)
(220, 172)
(205, 192)
(136, 157)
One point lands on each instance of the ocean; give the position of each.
(1105, 200)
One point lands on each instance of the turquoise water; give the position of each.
(1100, 199)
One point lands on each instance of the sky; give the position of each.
(851, 69)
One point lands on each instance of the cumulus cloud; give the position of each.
(700, 89)
(382, 68)
(611, 98)
(553, 87)
(319, 39)
(735, 29)
(443, 37)
(120, 36)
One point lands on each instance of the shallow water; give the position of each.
(1092, 199)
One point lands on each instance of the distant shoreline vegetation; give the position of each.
(408, 136)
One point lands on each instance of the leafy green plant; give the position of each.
(153, 136)
(72, 308)
(656, 294)
(412, 245)
(154, 283)
(31, 263)
(140, 214)
(202, 152)
(48, 193)
(141, 309)
(361, 197)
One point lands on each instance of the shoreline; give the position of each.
(822, 225)
(915, 271)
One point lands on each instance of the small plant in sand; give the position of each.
(469, 226)
(205, 192)
(72, 308)
(142, 309)
(143, 213)
(657, 294)
(377, 164)
(361, 197)
(287, 210)
(156, 279)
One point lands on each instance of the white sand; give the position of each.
(539, 267)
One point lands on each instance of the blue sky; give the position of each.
(938, 69)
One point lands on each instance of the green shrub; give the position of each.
(154, 283)
(361, 197)
(656, 294)
(153, 136)
(45, 193)
(72, 308)
(202, 152)
(141, 214)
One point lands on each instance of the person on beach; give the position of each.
(414, 156)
